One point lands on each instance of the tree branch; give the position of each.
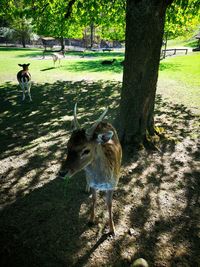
(69, 9)
(42, 8)
(169, 2)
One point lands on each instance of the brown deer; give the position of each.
(97, 150)
(108, 62)
(57, 57)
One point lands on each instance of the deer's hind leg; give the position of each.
(29, 90)
(109, 196)
(23, 90)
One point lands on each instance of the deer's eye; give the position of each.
(85, 152)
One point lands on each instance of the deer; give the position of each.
(108, 62)
(58, 57)
(24, 79)
(96, 150)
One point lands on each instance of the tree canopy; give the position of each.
(68, 18)
(182, 18)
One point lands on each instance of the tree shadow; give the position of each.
(39, 52)
(164, 189)
(44, 220)
(51, 68)
(51, 109)
(94, 66)
(27, 52)
(43, 226)
(95, 54)
(41, 213)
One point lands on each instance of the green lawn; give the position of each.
(185, 69)
(178, 77)
(72, 68)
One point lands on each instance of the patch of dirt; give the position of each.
(44, 221)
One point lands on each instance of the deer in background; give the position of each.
(97, 150)
(58, 57)
(24, 79)
(108, 62)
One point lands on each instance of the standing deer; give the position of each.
(97, 150)
(58, 57)
(24, 79)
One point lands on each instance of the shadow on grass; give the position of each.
(94, 54)
(51, 102)
(94, 66)
(27, 51)
(104, 54)
(11, 49)
(51, 68)
(39, 52)
(44, 221)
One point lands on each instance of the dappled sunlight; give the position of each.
(161, 204)
(155, 207)
(34, 135)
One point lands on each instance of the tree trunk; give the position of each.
(62, 43)
(23, 41)
(91, 35)
(166, 39)
(144, 33)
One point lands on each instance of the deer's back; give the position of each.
(23, 76)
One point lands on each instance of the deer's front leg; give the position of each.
(94, 198)
(109, 195)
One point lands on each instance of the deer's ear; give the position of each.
(104, 137)
(20, 65)
(28, 64)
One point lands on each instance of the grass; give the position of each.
(179, 80)
(74, 67)
(178, 76)
(185, 69)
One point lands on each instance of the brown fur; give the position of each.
(111, 149)
(100, 156)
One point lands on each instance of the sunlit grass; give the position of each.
(182, 68)
(73, 67)
(179, 80)
(178, 76)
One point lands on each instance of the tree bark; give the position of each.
(23, 40)
(62, 43)
(144, 33)
(91, 35)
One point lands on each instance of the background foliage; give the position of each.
(68, 19)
